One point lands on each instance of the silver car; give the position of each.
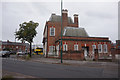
(4, 54)
(20, 53)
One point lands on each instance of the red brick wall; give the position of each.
(81, 44)
(14, 47)
(74, 56)
(57, 26)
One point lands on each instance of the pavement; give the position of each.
(37, 58)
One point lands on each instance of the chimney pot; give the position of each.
(75, 15)
(53, 14)
(64, 11)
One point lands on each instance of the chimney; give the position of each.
(8, 41)
(65, 17)
(76, 18)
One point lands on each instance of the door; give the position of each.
(86, 51)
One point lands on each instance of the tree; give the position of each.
(27, 32)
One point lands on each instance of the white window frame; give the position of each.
(53, 31)
(99, 48)
(65, 47)
(51, 49)
(17, 47)
(57, 47)
(93, 48)
(105, 48)
(76, 47)
(64, 31)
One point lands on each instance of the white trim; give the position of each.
(57, 48)
(64, 12)
(93, 48)
(51, 49)
(16, 46)
(64, 32)
(53, 31)
(99, 48)
(76, 47)
(65, 48)
(105, 49)
(85, 44)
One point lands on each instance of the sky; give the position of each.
(100, 19)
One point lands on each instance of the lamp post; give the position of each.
(61, 32)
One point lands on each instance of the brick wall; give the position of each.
(73, 55)
(57, 25)
(82, 44)
(81, 41)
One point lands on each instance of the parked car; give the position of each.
(4, 54)
(21, 53)
(13, 52)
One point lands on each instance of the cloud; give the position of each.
(99, 19)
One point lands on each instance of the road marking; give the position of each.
(13, 59)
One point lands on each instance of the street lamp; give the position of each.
(61, 32)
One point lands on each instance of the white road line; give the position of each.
(13, 59)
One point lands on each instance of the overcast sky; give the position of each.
(100, 19)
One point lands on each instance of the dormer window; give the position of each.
(52, 31)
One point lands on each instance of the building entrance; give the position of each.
(86, 50)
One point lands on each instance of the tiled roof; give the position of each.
(76, 32)
(57, 18)
(14, 43)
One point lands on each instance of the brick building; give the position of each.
(117, 44)
(14, 46)
(75, 39)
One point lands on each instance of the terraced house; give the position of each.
(77, 44)
(14, 46)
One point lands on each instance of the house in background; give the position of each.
(14, 46)
(34, 46)
(75, 39)
(117, 44)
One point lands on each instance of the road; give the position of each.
(44, 70)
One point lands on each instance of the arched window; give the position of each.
(93, 48)
(65, 47)
(76, 47)
(99, 48)
(105, 48)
